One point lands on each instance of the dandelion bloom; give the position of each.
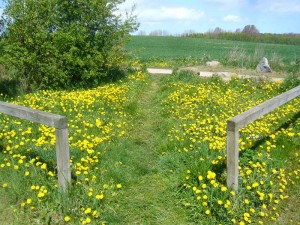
(67, 218)
(211, 175)
(207, 212)
(223, 188)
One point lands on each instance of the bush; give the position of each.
(61, 44)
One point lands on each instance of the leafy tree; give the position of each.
(218, 30)
(250, 29)
(65, 43)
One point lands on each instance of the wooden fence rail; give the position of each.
(241, 120)
(62, 143)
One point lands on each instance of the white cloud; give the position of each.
(290, 7)
(278, 6)
(170, 13)
(128, 4)
(232, 18)
(227, 2)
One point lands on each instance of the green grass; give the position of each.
(174, 132)
(184, 51)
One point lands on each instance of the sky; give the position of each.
(180, 16)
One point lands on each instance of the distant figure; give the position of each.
(263, 66)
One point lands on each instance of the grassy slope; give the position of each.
(146, 47)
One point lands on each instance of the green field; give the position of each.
(147, 48)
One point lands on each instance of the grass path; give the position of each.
(149, 194)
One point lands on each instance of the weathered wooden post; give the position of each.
(232, 156)
(63, 159)
(62, 142)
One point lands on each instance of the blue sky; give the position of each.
(178, 16)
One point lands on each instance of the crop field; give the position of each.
(151, 149)
(196, 50)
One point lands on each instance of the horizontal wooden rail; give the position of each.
(241, 120)
(38, 116)
(62, 143)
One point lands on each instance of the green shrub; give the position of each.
(61, 44)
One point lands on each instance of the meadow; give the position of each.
(178, 51)
(151, 149)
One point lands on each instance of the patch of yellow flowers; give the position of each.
(96, 117)
(200, 113)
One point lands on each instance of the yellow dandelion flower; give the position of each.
(41, 194)
(100, 196)
(88, 210)
(51, 174)
(88, 220)
(223, 188)
(211, 175)
(44, 166)
(67, 218)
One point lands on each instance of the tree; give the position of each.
(159, 33)
(188, 33)
(142, 33)
(65, 43)
(238, 30)
(218, 30)
(250, 29)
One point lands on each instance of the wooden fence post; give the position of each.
(63, 159)
(232, 156)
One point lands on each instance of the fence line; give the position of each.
(241, 120)
(62, 144)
